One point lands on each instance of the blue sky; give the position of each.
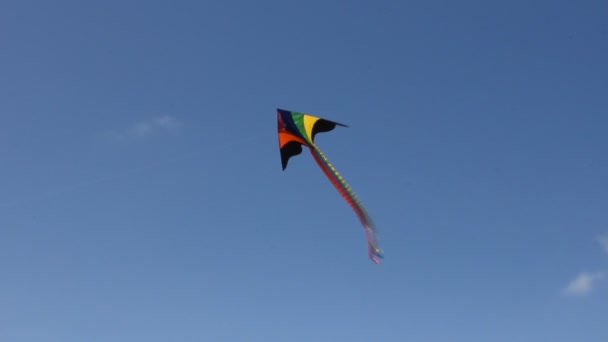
(142, 197)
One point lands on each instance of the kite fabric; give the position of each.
(297, 129)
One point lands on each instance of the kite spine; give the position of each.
(351, 198)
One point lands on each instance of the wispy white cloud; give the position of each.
(603, 240)
(583, 283)
(147, 128)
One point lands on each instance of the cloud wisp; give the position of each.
(583, 283)
(603, 240)
(145, 129)
(586, 281)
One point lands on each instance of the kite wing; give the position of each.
(299, 129)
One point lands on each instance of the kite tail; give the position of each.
(375, 254)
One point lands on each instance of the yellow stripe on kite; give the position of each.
(309, 122)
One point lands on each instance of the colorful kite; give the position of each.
(297, 129)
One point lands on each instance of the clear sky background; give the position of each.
(142, 197)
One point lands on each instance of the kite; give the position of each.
(297, 129)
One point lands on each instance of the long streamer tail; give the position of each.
(375, 254)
